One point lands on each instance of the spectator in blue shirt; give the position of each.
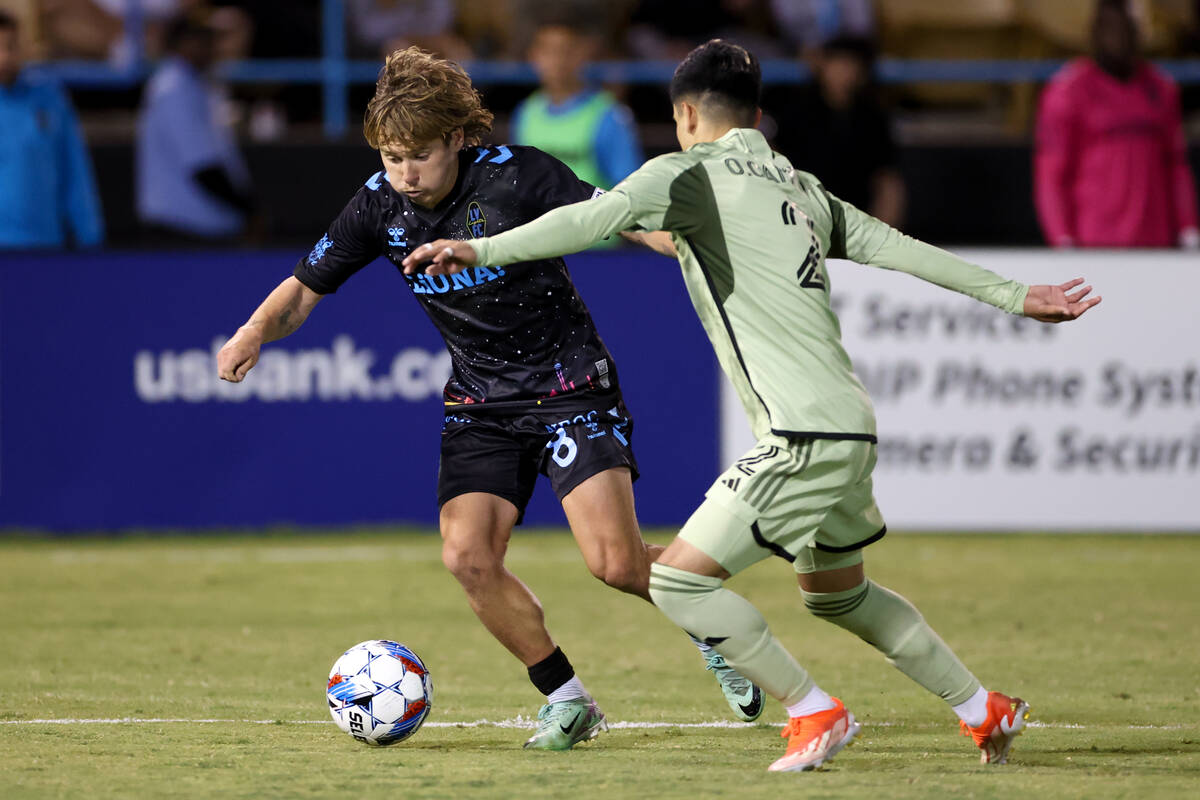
(582, 126)
(47, 191)
(191, 181)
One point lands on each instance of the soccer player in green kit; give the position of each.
(752, 235)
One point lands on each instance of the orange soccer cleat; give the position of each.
(816, 738)
(1005, 722)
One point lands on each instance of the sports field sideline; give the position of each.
(195, 666)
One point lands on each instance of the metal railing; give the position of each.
(336, 73)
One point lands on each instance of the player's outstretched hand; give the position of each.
(1059, 303)
(238, 355)
(445, 257)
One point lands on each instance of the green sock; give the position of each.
(732, 626)
(892, 625)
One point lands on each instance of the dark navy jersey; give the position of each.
(518, 332)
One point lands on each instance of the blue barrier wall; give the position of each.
(111, 415)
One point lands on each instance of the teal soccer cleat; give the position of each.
(745, 699)
(563, 725)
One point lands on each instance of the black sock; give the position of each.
(551, 672)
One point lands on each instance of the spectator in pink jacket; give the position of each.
(1110, 157)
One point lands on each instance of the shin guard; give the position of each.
(730, 625)
(892, 625)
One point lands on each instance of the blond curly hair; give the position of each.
(420, 97)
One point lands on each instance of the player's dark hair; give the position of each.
(723, 78)
(8, 22)
(420, 97)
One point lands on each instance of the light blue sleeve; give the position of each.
(516, 127)
(187, 119)
(618, 150)
(79, 196)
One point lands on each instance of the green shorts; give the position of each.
(808, 501)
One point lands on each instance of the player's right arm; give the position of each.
(658, 241)
(284, 310)
(351, 243)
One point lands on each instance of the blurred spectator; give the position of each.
(582, 126)
(232, 26)
(125, 48)
(1191, 37)
(77, 29)
(101, 29)
(270, 29)
(1110, 158)
(838, 129)
(809, 24)
(605, 19)
(1188, 46)
(669, 29)
(384, 26)
(281, 28)
(191, 180)
(46, 185)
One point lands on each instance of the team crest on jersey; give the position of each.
(476, 221)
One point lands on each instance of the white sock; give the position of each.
(571, 690)
(816, 700)
(974, 711)
(705, 649)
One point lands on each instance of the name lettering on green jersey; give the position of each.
(768, 171)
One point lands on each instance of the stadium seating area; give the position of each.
(495, 28)
(962, 78)
(498, 31)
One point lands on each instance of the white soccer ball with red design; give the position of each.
(379, 692)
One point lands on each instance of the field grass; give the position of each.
(236, 634)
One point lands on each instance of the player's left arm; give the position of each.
(862, 238)
(1058, 303)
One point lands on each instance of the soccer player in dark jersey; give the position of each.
(533, 388)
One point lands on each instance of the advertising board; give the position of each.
(112, 417)
(989, 421)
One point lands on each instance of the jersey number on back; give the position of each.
(809, 274)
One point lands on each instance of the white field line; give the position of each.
(296, 554)
(518, 722)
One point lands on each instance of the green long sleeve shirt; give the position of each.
(752, 234)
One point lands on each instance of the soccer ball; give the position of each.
(379, 692)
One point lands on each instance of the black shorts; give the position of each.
(501, 449)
